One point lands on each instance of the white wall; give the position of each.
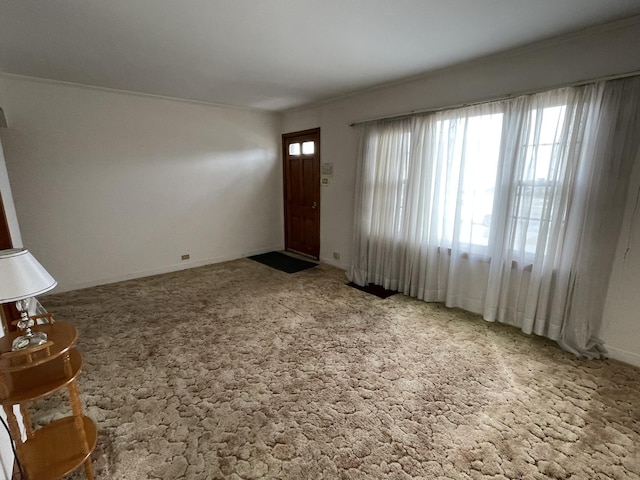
(110, 185)
(621, 322)
(595, 53)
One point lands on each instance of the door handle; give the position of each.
(315, 205)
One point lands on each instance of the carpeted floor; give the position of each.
(238, 370)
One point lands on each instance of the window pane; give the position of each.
(477, 145)
(537, 186)
(308, 148)
(294, 149)
(552, 120)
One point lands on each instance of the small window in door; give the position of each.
(294, 149)
(308, 148)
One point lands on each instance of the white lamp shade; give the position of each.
(21, 276)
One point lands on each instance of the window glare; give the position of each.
(551, 125)
(308, 148)
(475, 155)
(294, 149)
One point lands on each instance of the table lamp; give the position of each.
(22, 277)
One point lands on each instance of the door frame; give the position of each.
(285, 178)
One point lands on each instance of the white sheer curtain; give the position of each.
(503, 209)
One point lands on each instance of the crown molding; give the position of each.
(50, 81)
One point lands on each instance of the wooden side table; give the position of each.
(57, 449)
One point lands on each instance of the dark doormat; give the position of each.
(283, 262)
(376, 290)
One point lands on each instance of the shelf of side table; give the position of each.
(60, 447)
(57, 449)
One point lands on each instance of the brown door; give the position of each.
(301, 159)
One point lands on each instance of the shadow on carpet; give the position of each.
(372, 289)
(283, 262)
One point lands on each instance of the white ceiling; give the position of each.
(271, 54)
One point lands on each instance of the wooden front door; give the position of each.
(301, 161)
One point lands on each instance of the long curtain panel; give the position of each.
(510, 209)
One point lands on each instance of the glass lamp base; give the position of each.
(26, 341)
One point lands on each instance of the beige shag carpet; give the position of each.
(237, 370)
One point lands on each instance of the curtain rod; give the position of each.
(496, 99)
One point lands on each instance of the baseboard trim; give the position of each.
(164, 269)
(333, 263)
(631, 358)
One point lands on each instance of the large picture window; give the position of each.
(500, 208)
(466, 150)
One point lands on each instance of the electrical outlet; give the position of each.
(185, 257)
(336, 255)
